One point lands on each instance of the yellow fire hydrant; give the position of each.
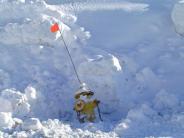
(85, 105)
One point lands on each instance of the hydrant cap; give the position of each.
(83, 88)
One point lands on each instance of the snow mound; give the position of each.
(16, 103)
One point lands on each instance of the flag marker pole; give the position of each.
(77, 75)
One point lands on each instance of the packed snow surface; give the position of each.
(132, 58)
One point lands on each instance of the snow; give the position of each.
(30, 93)
(6, 120)
(131, 57)
(178, 17)
(18, 102)
(116, 63)
(31, 124)
(106, 5)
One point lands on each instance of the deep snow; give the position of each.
(132, 57)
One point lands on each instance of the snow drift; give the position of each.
(140, 89)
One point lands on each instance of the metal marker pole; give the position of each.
(99, 113)
(70, 58)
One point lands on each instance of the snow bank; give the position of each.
(42, 61)
(140, 90)
(39, 67)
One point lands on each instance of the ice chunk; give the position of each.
(31, 124)
(6, 120)
(178, 17)
(21, 134)
(30, 93)
(116, 63)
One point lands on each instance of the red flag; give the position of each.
(54, 28)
